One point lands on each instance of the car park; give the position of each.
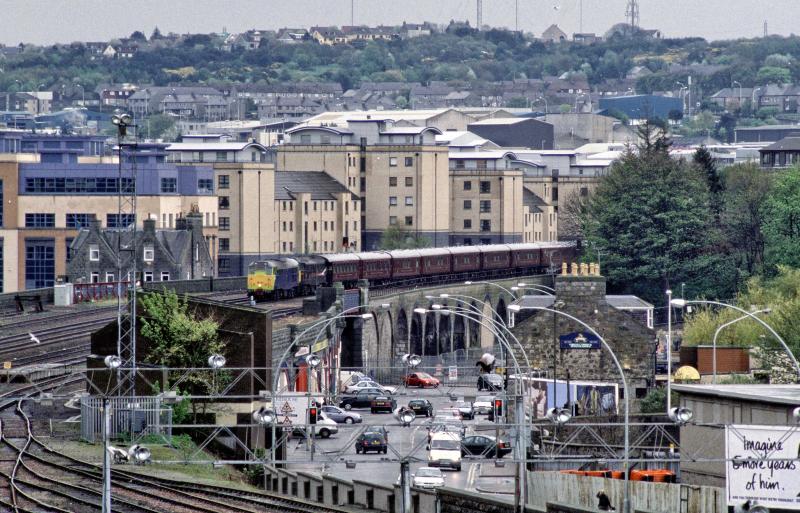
(483, 404)
(364, 385)
(427, 477)
(362, 399)
(421, 379)
(421, 407)
(372, 441)
(491, 382)
(445, 451)
(383, 403)
(341, 416)
(485, 446)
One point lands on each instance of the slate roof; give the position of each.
(532, 200)
(785, 144)
(319, 184)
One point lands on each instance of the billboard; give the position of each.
(577, 340)
(763, 466)
(587, 397)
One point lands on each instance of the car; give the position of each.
(372, 441)
(359, 400)
(381, 430)
(421, 407)
(441, 426)
(483, 404)
(421, 379)
(341, 416)
(490, 381)
(324, 428)
(465, 410)
(485, 446)
(445, 451)
(427, 477)
(363, 385)
(382, 403)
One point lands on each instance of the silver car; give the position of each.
(341, 416)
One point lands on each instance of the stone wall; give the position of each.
(584, 298)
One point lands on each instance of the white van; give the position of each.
(445, 451)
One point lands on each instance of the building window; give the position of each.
(486, 206)
(467, 185)
(115, 221)
(224, 203)
(169, 185)
(486, 225)
(304, 139)
(224, 244)
(409, 201)
(392, 161)
(149, 254)
(467, 204)
(40, 263)
(224, 224)
(486, 187)
(409, 220)
(224, 264)
(467, 224)
(78, 221)
(95, 277)
(392, 201)
(148, 276)
(283, 226)
(409, 161)
(392, 181)
(40, 220)
(94, 253)
(284, 247)
(223, 182)
(109, 277)
(392, 220)
(77, 185)
(409, 181)
(164, 276)
(205, 185)
(222, 156)
(584, 191)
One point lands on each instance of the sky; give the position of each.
(63, 21)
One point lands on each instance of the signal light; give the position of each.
(312, 415)
(498, 408)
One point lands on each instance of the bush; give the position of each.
(656, 401)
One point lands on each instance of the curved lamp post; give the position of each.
(507, 291)
(681, 303)
(716, 334)
(561, 415)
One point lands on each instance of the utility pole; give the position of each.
(352, 13)
(516, 15)
(632, 14)
(766, 32)
(479, 17)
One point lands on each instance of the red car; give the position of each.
(421, 379)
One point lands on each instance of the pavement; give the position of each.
(477, 474)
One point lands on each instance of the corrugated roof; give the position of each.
(777, 394)
(627, 302)
(319, 184)
(212, 146)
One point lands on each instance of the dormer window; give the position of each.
(149, 254)
(94, 253)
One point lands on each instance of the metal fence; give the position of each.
(130, 417)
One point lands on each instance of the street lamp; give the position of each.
(716, 334)
(669, 348)
(216, 361)
(682, 303)
(680, 415)
(796, 415)
(492, 284)
(112, 362)
(558, 416)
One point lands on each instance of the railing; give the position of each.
(87, 292)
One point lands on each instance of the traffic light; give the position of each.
(312, 415)
(498, 409)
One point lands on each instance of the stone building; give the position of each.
(584, 297)
(161, 255)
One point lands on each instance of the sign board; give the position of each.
(452, 373)
(762, 465)
(319, 346)
(576, 340)
(6, 365)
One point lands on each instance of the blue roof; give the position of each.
(642, 106)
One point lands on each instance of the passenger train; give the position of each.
(280, 277)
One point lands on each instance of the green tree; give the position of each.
(745, 192)
(705, 162)
(518, 102)
(176, 339)
(774, 75)
(650, 216)
(782, 221)
(160, 126)
(395, 237)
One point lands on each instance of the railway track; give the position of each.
(40, 479)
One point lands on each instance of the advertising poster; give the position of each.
(763, 466)
(588, 398)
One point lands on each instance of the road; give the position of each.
(477, 474)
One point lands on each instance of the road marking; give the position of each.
(474, 471)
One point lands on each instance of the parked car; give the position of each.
(421, 407)
(421, 379)
(483, 404)
(445, 451)
(490, 381)
(427, 477)
(324, 428)
(371, 442)
(381, 430)
(359, 400)
(362, 385)
(484, 446)
(383, 403)
(465, 410)
(341, 416)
